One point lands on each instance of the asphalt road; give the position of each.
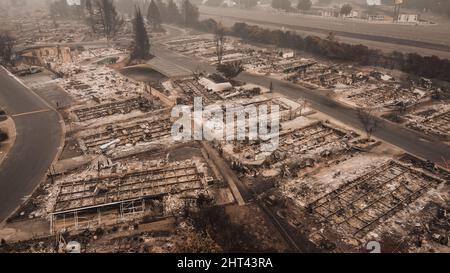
(406, 139)
(422, 39)
(38, 138)
(432, 34)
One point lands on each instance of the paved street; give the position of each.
(38, 138)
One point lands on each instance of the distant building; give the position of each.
(74, 2)
(377, 17)
(215, 87)
(373, 2)
(328, 13)
(229, 3)
(287, 54)
(408, 18)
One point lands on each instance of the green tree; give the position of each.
(154, 16)
(213, 3)
(60, 9)
(189, 13)
(162, 10)
(111, 21)
(173, 14)
(282, 4)
(247, 4)
(304, 5)
(275, 4)
(346, 9)
(141, 47)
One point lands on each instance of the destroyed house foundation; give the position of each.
(361, 205)
(119, 195)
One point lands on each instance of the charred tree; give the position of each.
(219, 40)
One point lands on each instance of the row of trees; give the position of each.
(154, 14)
(424, 66)
(141, 44)
(246, 4)
(282, 4)
(305, 5)
(159, 12)
(103, 17)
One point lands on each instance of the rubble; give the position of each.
(360, 205)
(305, 146)
(108, 109)
(127, 186)
(152, 127)
(431, 122)
(133, 187)
(357, 86)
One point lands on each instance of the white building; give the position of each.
(328, 13)
(215, 87)
(377, 17)
(74, 2)
(287, 54)
(408, 18)
(373, 2)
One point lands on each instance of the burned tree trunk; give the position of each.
(369, 121)
(220, 43)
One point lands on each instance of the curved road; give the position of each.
(39, 134)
